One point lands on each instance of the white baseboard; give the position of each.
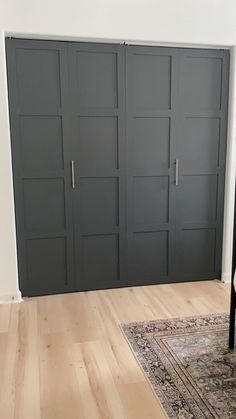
(226, 277)
(10, 297)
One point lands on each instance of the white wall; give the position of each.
(187, 22)
(230, 173)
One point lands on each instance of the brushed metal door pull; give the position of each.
(176, 172)
(72, 167)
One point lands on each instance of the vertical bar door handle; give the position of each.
(176, 172)
(72, 167)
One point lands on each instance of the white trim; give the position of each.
(11, 297)
(230, 172)
(226, 277)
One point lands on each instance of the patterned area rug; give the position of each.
(188, 364)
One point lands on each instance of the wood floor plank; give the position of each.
(5, 310)
(65, 357)
(20, 397)
(139, 401)
(101, 380)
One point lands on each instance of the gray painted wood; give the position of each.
(176, 109)
(40, 128)
(151, 92)
(123, 114)
(97, 114)
(201, 147)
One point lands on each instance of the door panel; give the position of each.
(150, 134)
(149, 255)
(198, 193)
(151, 78)
(146, 149)
(98, 142)
(97, 110)
(99, 260)
(202, 80)
(198, 251)
(37, 73)
(150, 203)
(44, 205)
(99, 203)
(41, 143)
(38, 76)
(96, 77)
(201, 143)
(46, 260)
(200, 134)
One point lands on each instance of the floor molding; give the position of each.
(226, 277)
(10, 297)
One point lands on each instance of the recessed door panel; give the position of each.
(46, 261)
(149, 143)
(151, 80)
(41, 143)
(149, 256)
(200, 134)
(99, 203)
(199, 194)
(44, 204)
(151, 200)
(198, 251)
(38, 78)
(97, 142)
(96, 78)
(99, 261)
(202, 77)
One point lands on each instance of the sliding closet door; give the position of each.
(151, 97)
(38, 93)
(176, 141)
(119, 159)
(97, 111)
(201, 145)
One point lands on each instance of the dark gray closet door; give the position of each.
(151, 82)
(201, 144)
(97, 109)
(121, 122)
(176, 139)
(38, 91)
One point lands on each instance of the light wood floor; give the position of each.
(64, 356)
